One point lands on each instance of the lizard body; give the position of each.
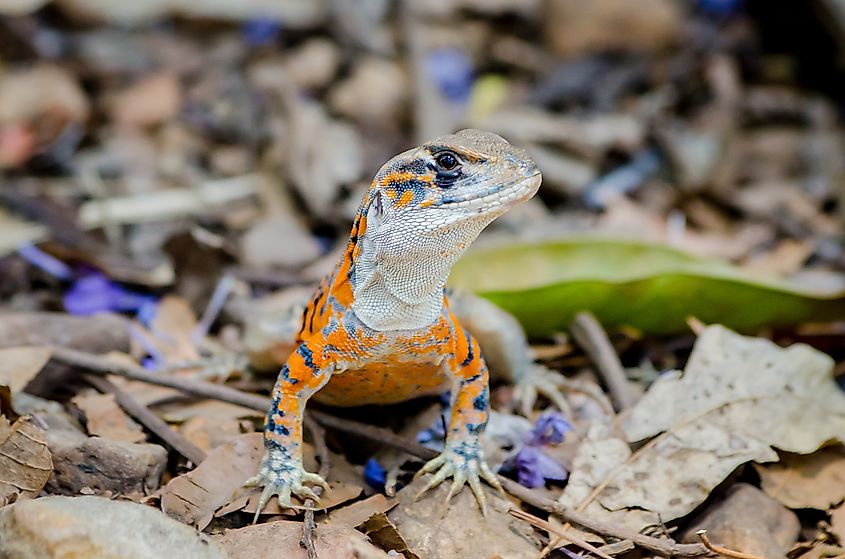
(379, 329)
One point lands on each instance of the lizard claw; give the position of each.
(464, 462)
(537, 379)
(284, 480)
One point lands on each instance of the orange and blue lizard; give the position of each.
(379, 329)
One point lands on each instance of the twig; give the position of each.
(150, 420)
(308, 524)
(212, 310)
(562, 534)
(618, 548)
(702, 535)
(592, 338)
(103, 365)
(659, 546)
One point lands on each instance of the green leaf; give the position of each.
(650, 287)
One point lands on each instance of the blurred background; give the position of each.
(161, 144)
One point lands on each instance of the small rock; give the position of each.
(574, 27)
(20, 7)
(99, 333)
(104, 465)
(281, 539)
(749, 521)
(96, 528)
(314, 64)
(41, 90)
(326, 155)
(151, 101)
(279, 241)
(459, 530)
(376, 91)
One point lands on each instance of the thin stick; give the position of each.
(571, 538)
(308, 523)
(148, 419)
(702, 535)
(664, 547)
(102, 365)
(593, 339)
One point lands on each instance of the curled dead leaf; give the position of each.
(25, 461)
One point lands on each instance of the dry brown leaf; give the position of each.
(208, 434)
(339, 493)
(381, 530)
(173, 327)
(151, 101)
(216, 485)
(104, 418)
(357, 513)
(814, 481)
(193, 498)
(837, 523)
(281, 539)
(38, 90)
(212, 410)
(19, 365)
(25, 461)
(738, 397)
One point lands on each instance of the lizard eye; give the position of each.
(447, 161)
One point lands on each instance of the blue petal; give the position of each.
(451, 69)
(259, 32)
(549, 429)
(96, 293)
(527, 467)
(46, 262)
(374, 474)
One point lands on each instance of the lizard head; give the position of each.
(424, 209)
(466, 176)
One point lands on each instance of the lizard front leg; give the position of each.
(462, 458)
(282, 472)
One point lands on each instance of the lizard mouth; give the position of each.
(503, 194)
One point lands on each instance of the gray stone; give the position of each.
(749, 521)
(96, 528)
(103, 465)
(434, 531)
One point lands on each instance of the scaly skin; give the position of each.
(379, 329)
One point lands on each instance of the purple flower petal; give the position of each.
(260, 32)
(549, 429)
(374, 474)
(527, 467)
(570, 554)
(534, 467)
(452, 71)
(551, 468)
(96, 293)
(46, 262)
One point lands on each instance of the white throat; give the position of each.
(402, 269)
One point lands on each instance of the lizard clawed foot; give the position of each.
(538, 379)
(464, 462)
(284, 480)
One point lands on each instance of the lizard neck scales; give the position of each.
(401, 271)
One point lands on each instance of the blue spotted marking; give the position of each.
(285, 375)
(480, 402)
(470, 352)
(307, 356)
(470, 380)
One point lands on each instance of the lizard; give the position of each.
(378, 330)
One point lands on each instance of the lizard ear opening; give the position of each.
(375, 211)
